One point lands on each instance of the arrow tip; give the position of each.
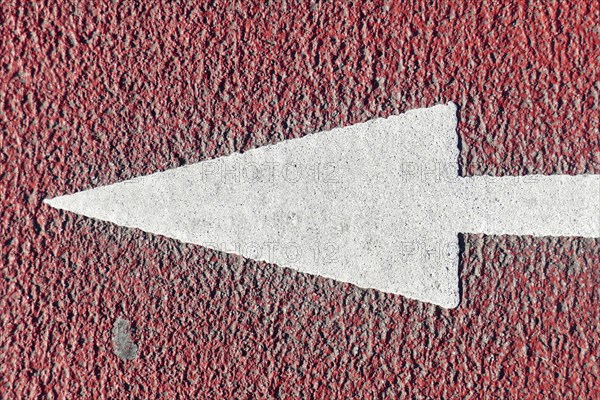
(55, 202)
(78, 203)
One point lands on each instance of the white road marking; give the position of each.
(377, 204)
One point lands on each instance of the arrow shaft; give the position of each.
(558, 205)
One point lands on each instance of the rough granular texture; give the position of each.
(92, 94)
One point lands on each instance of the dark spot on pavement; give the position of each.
(123, 346)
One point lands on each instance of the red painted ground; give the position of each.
(95, 94)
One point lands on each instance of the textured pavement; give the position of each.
(94, 94)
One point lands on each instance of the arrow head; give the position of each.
(332, 204)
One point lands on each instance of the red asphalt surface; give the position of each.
(93, 94)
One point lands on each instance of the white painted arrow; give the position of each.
(377, 204)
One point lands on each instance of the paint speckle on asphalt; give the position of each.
(123, 345)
